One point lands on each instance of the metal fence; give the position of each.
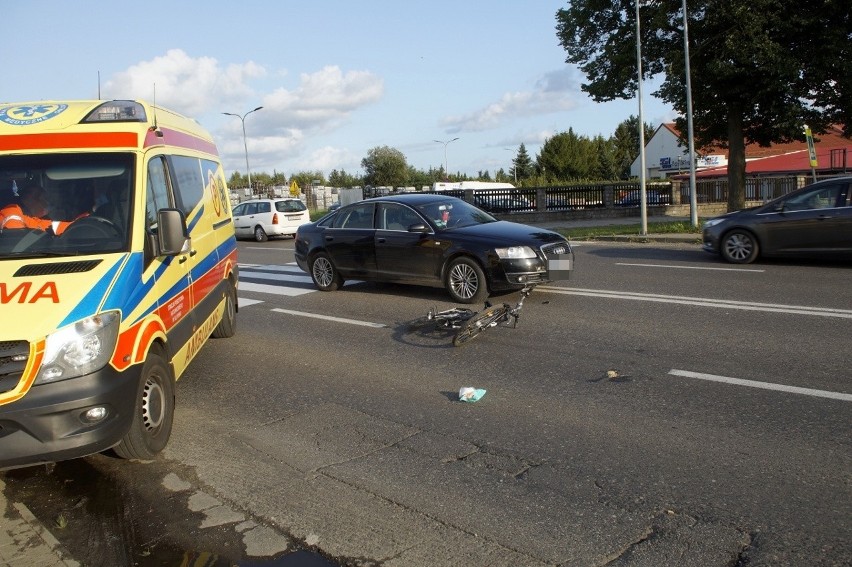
(614, 195)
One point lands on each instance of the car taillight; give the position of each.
(275, 218)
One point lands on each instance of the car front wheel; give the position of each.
(325, 275)
(740, 247)
(260, 234)
(465, 281)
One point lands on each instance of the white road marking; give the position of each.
(756, 271)
(245, 302)
(764, 385)
(328, 318)
(273, 289)
(704, 302)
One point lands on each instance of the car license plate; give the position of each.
(560, 267)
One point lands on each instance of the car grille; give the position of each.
(556, 249)
(13, 360)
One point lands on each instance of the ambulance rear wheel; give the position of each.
(154, 410)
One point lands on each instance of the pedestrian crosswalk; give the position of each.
(287, 279)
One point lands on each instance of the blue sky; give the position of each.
(335, 77)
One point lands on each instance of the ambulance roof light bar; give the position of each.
(117, 111)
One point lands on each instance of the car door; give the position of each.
(242, 222)
(350, 241)
(402, 255)
(808, 221)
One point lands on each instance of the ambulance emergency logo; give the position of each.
(25, 115)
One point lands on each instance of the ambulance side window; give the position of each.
(157, 195)
(190, 184)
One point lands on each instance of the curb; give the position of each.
(25, 542)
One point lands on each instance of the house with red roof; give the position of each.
(666, 156)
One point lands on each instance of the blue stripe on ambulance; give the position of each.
(90, 303)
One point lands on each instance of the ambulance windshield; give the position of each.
(65, 204)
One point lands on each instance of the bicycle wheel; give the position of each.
(478, 323)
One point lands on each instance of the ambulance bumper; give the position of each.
(50, 423)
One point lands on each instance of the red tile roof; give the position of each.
(833, 151)
(833, 138)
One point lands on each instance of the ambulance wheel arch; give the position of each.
(227, 326)
(154, 409)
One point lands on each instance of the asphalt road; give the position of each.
(659, 408)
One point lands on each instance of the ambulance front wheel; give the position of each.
(154, 411)
(227, 327)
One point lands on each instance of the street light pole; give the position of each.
(245, 143)
(446, 166)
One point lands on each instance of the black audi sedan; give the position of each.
(813, 221)
(433, 240)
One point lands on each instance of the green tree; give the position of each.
(604, 167)
(237, 181)
(385, 166)
(566, 156)
(625, 144)
(522, 166)
(342, 179)
(760, 69)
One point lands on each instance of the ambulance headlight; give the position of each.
(80, 348)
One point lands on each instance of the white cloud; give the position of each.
(556, 91)
(191, 86)
(323, 99)
(199, 86)
(329, 158)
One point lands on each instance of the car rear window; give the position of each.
(293, 206)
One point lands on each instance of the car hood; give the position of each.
(510, 233)
(741, 212)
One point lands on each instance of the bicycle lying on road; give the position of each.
(468, 324)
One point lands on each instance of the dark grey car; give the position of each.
(814, 220)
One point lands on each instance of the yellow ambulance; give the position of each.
(103, 307)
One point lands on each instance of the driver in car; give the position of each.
(29, 212)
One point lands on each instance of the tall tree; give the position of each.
(760, 69)
(566, 156)
(385, 166)
(625, 144)
(522, 166)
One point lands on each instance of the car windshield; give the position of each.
(65, 204)
(453, 213)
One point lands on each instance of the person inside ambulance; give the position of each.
(29, 211)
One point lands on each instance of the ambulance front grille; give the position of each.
(56, 268)
(13, 360)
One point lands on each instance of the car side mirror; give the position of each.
(172, 234)
(418, 227)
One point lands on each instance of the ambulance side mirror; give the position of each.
(172, 234)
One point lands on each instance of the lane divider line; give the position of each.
(752, 270)
(704, 302)
(329, 318)
(764, 385)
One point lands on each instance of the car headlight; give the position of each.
(515, 252)
(712, 222)
(80, 348)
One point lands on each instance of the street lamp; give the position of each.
(446, 167)
(245, 144)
